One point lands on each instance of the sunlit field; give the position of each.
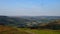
(45, 31)
(14, 30)
(11, 30)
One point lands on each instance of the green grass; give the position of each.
(35, 31)
(11, 30)
(14, 30)
(45, 32)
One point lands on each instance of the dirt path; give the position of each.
(27, 31)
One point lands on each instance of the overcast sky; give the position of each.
(30, 7)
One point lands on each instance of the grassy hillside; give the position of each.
(14, 25)
(45, 31)
(10, 30)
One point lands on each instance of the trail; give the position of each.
(26, 31)
(29, 32)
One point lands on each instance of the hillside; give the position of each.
(48, 22)
(6, 20)
(11, 30)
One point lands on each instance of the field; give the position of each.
(13, 30)
(45, 31)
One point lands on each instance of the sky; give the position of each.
(30, 7)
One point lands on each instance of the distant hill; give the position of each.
(30, 21)
(6, 20)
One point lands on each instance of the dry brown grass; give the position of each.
(10, 30)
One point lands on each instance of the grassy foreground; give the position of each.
(45, 31)
(10, 30)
